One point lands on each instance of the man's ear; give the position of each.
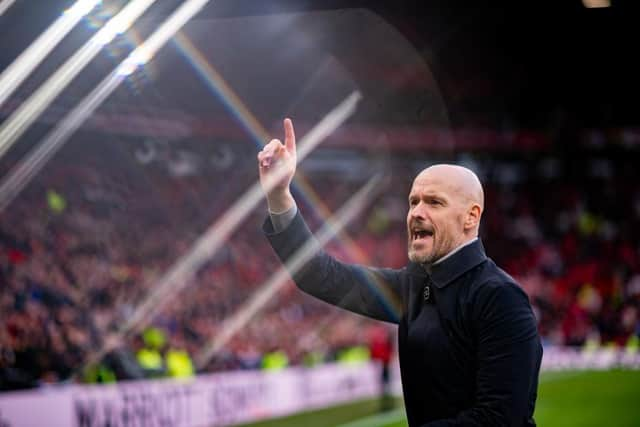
(472, 219)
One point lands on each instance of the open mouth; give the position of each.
(420, 233)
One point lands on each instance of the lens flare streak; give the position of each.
(20, 176)
(4, 5)
(269, 288)
(234, 104)
(13, 76)
(208, 244)
(28, 112)
(184, 269)
(217, 85)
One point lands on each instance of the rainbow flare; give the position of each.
(219, 87)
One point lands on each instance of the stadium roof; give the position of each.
(425, 63)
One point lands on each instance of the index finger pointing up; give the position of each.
(289, 136)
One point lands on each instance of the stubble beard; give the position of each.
(421, 259)
(438, 250)
(425, 259)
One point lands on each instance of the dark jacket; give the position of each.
(468, 343)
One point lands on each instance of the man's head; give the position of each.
(445, 205)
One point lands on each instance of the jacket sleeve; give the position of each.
(508, 356)
(371, 292)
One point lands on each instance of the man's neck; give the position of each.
(456, 249)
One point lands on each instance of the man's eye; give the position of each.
(436, 202)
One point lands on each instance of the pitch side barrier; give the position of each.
(228, 398)
(219, 399)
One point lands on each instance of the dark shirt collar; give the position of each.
(453, 267)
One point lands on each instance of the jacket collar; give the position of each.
(453, 267)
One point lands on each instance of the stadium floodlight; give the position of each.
(4, 5)
(184, 269)
(20, 120)
(273, 284)
(23, 66)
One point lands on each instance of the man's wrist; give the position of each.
(281, 202)
(280, 221)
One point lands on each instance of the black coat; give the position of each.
(468, 343)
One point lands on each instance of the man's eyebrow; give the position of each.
(428, 196)
(432, 195)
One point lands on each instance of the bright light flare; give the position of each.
(28, 112)
(80, 9)
(115, 27)
(24, 65)
(17, 124)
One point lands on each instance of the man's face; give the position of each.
(435, 221)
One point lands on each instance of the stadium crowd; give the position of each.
(85, 243)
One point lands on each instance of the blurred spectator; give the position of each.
(149, 355)
(381, 349)
(84, 244)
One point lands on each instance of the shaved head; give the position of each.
(445, 205)
(463, 182)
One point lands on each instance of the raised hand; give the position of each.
(277, 165)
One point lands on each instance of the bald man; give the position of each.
(468, 343)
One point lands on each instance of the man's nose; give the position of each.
(418, 211)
